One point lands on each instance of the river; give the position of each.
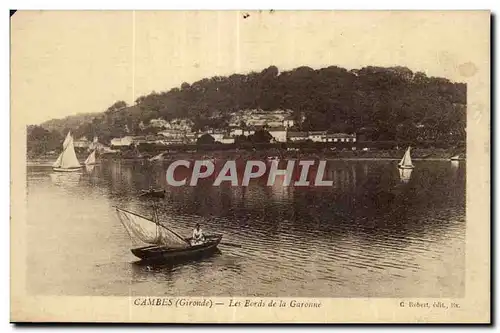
(373, 233)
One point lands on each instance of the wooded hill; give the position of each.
(378, 103)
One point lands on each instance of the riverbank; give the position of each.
(372, 154)
(345, 154)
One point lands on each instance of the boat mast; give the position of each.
(155, 220)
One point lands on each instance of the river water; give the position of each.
(373, 233)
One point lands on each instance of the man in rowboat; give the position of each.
(198, 237)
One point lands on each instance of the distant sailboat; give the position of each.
(457, 158)
(406, 162)
(91, 159)
(67, 160)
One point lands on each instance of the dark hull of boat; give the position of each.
(161, 253)
(67, 169)
(153, 194)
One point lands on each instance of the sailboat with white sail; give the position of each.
(406, 162)
(67, 160)
(163, 243)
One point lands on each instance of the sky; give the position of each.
(69, 62)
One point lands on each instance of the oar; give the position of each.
(230, 244)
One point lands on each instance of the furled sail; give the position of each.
(406, 160)
(91, 159)
(68, 158)
(148, 231)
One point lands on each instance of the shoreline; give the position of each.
(48, 161)
(417, 154)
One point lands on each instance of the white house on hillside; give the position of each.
(235, 131)
(125, 141)
(81, 143)
(172, 133)
(288, 121)
(227, 140)
(278, 133)
(158, 123)
(317, 136)
(297, 136)
(339, 137)
(217, 135)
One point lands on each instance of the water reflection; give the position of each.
(89, 168)
(66, 179)
(405, 175)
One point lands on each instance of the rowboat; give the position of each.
(166, 254)
(164, 244)
(153, 193)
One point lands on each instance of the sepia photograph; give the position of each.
(250, 166)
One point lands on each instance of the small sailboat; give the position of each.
(164, 244)
(67, 160)
(91, 159)
(406, 162)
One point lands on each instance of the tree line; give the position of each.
(375, 102)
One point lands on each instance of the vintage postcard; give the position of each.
(258, 166)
